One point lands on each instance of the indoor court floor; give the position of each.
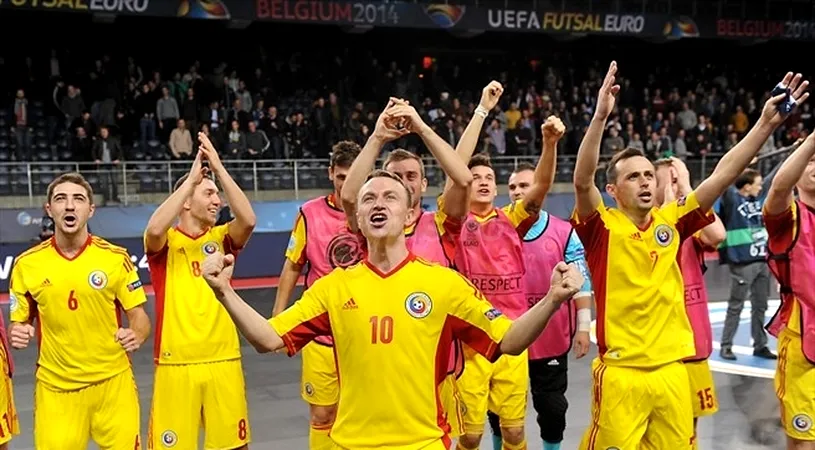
(279, 418)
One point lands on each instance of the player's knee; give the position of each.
(469, 441)
(495, 423)
(513, 435)
(323, 415)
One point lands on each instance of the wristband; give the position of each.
(482, 111)
(584, 319)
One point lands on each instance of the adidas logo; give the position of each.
(46, 283)
(553, 362)
(350, 304)
(636, 236)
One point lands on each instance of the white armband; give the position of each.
(584, 319)
(482, 111)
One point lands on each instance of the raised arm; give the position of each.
(472, 134)
(552, 130)
(711, 235)
(459, 177)
(780, 195)
(587, 196)
(240, 229)
(292, 266)
(384, 132)
(155, 234)
(739, 157)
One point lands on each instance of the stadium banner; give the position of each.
(192, 9)
(756, 29)
(262, 257)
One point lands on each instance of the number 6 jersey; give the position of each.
(77, 303)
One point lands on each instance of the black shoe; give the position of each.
(727, 353)
(765, 353)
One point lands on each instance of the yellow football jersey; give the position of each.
(191, 325)
(638, 287)
(392, 334)
(77, 305)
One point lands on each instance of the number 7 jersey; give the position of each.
(77, 303)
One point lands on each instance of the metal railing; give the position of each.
(146, 181)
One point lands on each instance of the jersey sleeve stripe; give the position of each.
(478, 339)
(303, 333)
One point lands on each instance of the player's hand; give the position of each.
(402, 115)
(605, 97)
(209, 152)
(20, 335)
(217, 270)
(386, 128)
(128, 340)
(566, 282)
(581, 344)
(681, 174)
(198, 172)
(552, 130)
(770, 114)
(490, 95)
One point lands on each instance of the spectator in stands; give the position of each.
(107, 153)
(496, 138)
(613, 143)
(146, 108)
(256, 142)
(72, 105)
(274, 126)
(740, 121)
(245, 96)
(20, 127)
(237, 113)
(636, 142)
(81, 145)
(297, 135)
(236, 141)
(191, 110)
(167, 113)
(46, 225)
(180, 140)
(680, 146)
(215, 117)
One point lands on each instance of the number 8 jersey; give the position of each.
(78, 304)
(192, 327)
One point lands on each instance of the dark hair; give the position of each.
(343, 154)
(622, 155)
(523, 166)
(401, 154)
(747, 177)
(70, 177)
(183, 178)
(381, 173)
(480, 159)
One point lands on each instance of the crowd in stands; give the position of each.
(104, 106)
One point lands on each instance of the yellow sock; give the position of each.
(318, 438)
(508, 446)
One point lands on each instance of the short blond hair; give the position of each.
(381, 173)
(401, 154)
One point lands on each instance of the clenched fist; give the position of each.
(490, 95)
(217, 271)
(566, 282)
(20, 335)
(552, 130)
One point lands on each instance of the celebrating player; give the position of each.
(490, 254)
(548, 241)
(393, 318)
(199, 378)
(320, 238)
(427, 235)
(789, 224)
(641, 392)
(9, 426)
(75, 286)
(673, 181)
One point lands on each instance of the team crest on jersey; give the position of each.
(343, 251)
(802, 423)
(98, 279)
(13, 302)
(493, 314)
(664, 235)
(471, 226)
(209, 248)
(418, 305)
(309, 389)
(169, 439)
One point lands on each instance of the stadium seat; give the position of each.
(5, 184)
